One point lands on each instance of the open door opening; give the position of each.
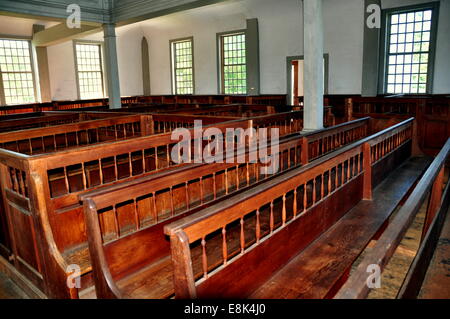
(296, 69)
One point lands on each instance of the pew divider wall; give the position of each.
(283, 217)
(184, 193)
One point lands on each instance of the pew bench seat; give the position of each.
(152, 282)
(79, 256)
(319, 270)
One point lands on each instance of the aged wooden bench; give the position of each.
(53, 138)
(432, 114)
(196, 187)
(275, 100)
(238, 248)
(37, 121)
(428, 275)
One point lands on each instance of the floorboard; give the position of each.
(9, 290)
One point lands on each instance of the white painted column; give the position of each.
(112, 69)
(313, 65)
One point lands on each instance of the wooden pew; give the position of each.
(131, 101)
(250, 246)
(426, 277)
(237, 110)
(432, 114)
(45, 206)
(232, 110)
(7, 125)
(45, 119)
(164, 123)
(52, 106)
(163, 199)
(329, 119)
(54, 138)
(159, 200)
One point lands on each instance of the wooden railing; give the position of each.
(53, 138)
(52, 106)
(274, 100)
(272, 221)
(321, 142)
(164, 123)
(155, 201)
(37, 121)
(430, 188)
(61, 176)
(237, 110)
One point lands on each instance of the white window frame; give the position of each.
(101, 45)
(221, 60)
(173, 64)
(384, 56)
(32, 65)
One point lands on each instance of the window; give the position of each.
(182, 66)
(233, 65)
(17, 71)
(89, 70)
(409, 51)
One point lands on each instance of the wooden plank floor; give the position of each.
(9, 290)
(397, 268)
(395, 271)
(312, 273)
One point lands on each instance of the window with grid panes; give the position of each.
(408, 51)
(16, 71)
(90, 71)
(234, 68)
(182, 67)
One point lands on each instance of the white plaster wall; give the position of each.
(62, 64)
(343, 41)
(203, 24)
(13, 26)
(280, 36)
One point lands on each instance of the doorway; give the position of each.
(295, 83)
